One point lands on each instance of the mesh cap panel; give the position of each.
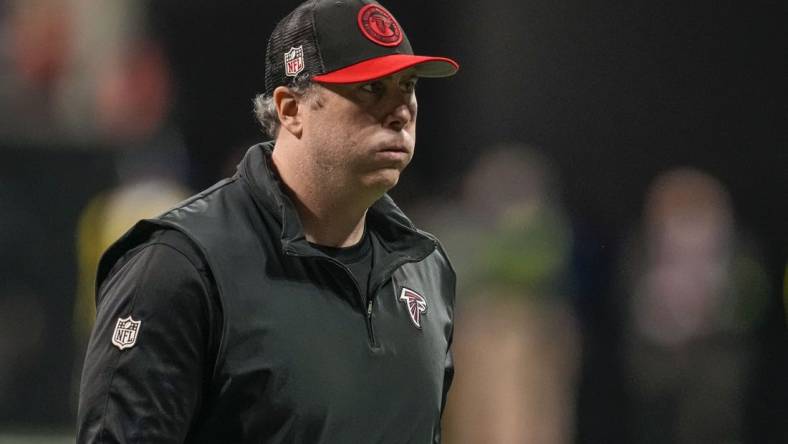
(296, 29)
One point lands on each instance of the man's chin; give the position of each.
(382, 180)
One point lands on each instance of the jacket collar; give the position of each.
(402, 241)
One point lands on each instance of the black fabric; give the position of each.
(300, 357)
(348, 255)
(357, 258)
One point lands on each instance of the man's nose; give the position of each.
(401, 114)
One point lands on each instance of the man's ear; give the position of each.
(289, 111)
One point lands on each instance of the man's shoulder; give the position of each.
(439, 257)
(219, 214)
(201, 202)
(162, 239)
(178, 241)
(165, 265)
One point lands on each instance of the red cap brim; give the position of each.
(373, 69)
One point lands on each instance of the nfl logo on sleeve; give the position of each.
(125, 334)
(294, 61)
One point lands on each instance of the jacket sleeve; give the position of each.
(448, 377)
(143, 377)
(448, 365)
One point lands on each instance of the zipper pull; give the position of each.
(369, 308)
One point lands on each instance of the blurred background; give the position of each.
(608, 179)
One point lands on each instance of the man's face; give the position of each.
(363, 134)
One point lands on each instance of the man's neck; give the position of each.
(331, 214)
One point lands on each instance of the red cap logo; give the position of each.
(379, 26)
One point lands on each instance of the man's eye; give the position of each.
(409, 86)
(374, 87)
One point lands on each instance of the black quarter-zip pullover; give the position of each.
(246, 333)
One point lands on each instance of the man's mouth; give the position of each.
(395, 149)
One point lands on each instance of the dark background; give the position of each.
(613, 93)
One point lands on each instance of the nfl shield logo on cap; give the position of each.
(294, 61)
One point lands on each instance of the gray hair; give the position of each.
(265, 108)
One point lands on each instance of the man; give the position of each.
(293, 302)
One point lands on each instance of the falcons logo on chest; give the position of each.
(416, 304)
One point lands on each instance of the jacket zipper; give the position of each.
(368, 316)
(368, 298)
(370, 328)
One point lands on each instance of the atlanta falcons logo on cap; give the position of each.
(416, 305)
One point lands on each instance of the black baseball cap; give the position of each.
(343, 41)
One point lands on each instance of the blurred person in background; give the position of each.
(696, 291)
(519, 347)
(81, 72)
(293, 302)
(117, 91)
(83, 75)
(35, 40)
(33, 51)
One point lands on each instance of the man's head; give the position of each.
(339, 83)
(338, 42)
